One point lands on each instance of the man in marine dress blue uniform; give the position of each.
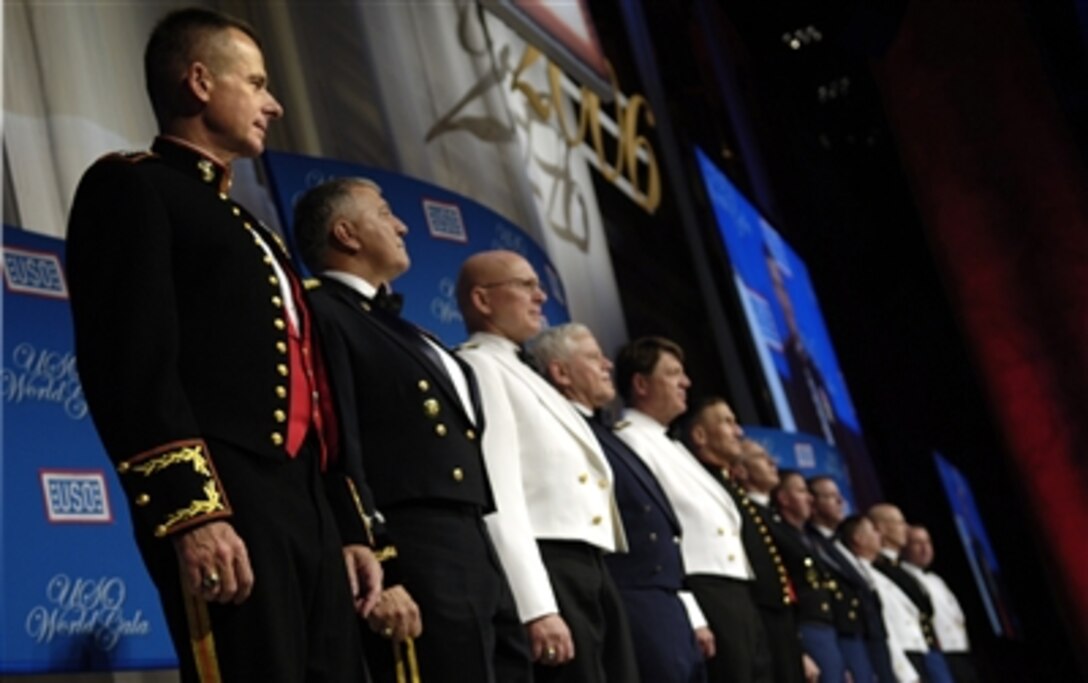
(196, 355)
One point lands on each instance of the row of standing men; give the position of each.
(492, 527)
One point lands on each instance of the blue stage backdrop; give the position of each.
(75, 596)
(443, 230)
(809, 455)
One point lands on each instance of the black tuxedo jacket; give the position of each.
(404, 432)
(859, 597)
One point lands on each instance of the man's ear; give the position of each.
(558, 374)
(343, 236)
(640, 384)
(480, 300)
(698, 435)
(199, 81)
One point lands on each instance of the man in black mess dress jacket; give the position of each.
(196, 355)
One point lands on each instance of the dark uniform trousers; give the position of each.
(306, 635)
(812, 581)
(742, 652)
(412, 448)
(183, 351)
(590, 605)
(772, 590)
(651, 573)
(871, 612)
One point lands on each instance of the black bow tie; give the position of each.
(525, 357)
(390, 302)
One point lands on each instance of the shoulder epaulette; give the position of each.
(129, 157)
(466, 346)
(311, 283)
(622, 424)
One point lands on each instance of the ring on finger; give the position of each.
(210, 581)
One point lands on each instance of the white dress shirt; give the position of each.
(453, 370)
(711, 542)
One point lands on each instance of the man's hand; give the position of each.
(812, 671)
(549, 640)
(704, 638)
(364, 576)
(395, 615)
(214, 563)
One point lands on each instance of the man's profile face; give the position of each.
(828, 505)
(892, 526)
(514, 297)
(667, 386)
(722, 432)
(919, 548)
(794, 497)
(380, 233)
(761, 468)
(239, 106)
(590, 372)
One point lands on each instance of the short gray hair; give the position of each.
(554, 343)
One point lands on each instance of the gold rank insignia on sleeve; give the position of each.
(173, 486)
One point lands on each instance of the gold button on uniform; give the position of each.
(470, 435)
(281, 391)
(653, 535)
(279, 416)
(440, 429)
(273, 280)
(597, 520)
(282, 369)
(431, 408)
(721, 532)
(236, 211)
(583, 478)
(160, 531)
(423, 385)
(458, 474)
(277, 302)
(277, 439)
(279, 323)
(603, 483)
(281, 346)
(123, 467)
(143, 499)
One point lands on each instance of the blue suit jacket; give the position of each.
(653, 531)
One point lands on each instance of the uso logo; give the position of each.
(76, 497)
(34, 272)
(444, 221)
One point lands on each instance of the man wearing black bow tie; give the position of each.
(411, 422)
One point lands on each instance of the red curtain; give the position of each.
(1004, 197)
